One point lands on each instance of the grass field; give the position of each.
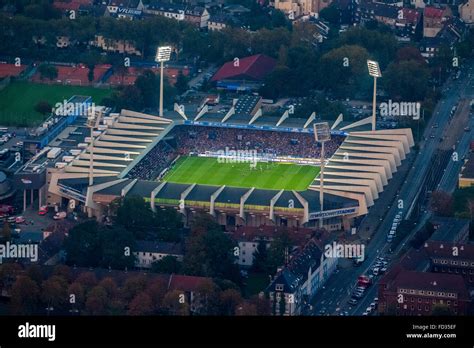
(17, 101)
(208, 171)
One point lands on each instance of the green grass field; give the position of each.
(17, 100)
(208, 171)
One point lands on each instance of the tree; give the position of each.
(209, 252)
(175, 304)
(34, 272)
(97, 301)
(141, 305)
(54, 292)
(6, 232)
(133, 286)
(181, 83)
(230, 299)
(278, 248)
(442, 203)
(157, 290)
(407, 80)
(117, 245)
(90, 73)
(135, 215)
(79, 295)
(330, 14)
(24, 296)
(168, 265)
(440, 309)
(43, 107)
(83, 245)
(87, 279)
(110, 286)
(260, 258)
(246, 309)
(49, 72)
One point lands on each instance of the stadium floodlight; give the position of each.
(322, 134)
(93, 119)
(374, 71)
(163, 54)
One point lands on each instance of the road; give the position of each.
(333, 298)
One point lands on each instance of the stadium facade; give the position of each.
(355, 174)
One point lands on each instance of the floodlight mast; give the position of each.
(163, 54)
(374, 71)
(321, 135)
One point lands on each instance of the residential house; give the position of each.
(249, 238)
(434, 20)
(293, 286)
(466, 178)
(195, 15)
(147, 252)
(114, 6)
(418, 293)
(452, 32)
(451, 258)
(114, 45)
(403, 20)
(218, 22)
(466, 12)
(347, 10)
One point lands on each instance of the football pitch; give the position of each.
(18, 100)
(208, 171)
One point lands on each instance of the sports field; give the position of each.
(208, 171)
(17, 100)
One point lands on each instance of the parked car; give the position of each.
(59, 216)
(20, 220)
(43, 210)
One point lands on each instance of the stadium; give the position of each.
(230, 160)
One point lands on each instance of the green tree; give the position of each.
(330, 14)
(6, 232)
(54, 292)
(43, 107)
(117, 246)
(181, 83)
(24, 296)
(260, 258)
(83, 246)
(168, 265)
(279, 247)
(49, 72)
(135, 215)
(90, 73)
(441, 310)
(407, 80)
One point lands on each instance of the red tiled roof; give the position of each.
(75, 75)
(433, 12)
(132, 73)
(445, 249)
(432, 282)
(10, 70)
(187, 283)
(70, 5)
(411, 15)
(254, 67)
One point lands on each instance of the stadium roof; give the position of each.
(254, 68)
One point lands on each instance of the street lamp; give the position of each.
(321, 135)
(374, 71)
(163, 54)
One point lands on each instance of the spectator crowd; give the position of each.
(199, 139)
